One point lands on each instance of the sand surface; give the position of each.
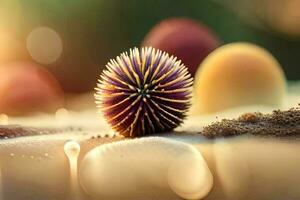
(244, 167)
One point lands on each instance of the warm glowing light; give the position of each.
(10, 48)
(61, 114)
(3, 119)
(44, 45)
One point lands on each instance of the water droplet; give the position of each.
(72, 150)
(46, 154)
(12, 154)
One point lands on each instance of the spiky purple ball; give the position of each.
(144, 92)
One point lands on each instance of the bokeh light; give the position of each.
(284, 16)
(10, 48)
(3, 119)
(44, 45)
(61, 114)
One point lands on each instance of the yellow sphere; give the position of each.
(238, 74)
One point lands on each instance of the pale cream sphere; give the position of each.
(238, 74)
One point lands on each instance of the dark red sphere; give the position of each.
(187, 39)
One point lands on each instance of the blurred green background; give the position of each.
(93, 31)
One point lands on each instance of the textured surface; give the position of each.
(242, 166)
(279, 124)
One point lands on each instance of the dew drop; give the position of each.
(72, 149)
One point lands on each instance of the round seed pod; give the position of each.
(238, 74)
(144, 92)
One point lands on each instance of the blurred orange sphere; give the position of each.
(27, 88)
(238, 74)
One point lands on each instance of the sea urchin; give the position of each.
(144, 92)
